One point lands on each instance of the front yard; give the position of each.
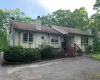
(95, 56)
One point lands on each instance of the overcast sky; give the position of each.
(33, 8)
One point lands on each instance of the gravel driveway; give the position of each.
(59, 69)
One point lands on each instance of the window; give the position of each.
(30, 37)
(54, 39)
(27, 37)
(84, 41)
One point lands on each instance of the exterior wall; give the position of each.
(37, 40)
(78, 42)
(90, 40)
(16, 38)
(71, 40)
(58, 45)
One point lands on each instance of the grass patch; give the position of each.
(95, 56)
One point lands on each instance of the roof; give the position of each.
(72, 30)
(32, 27)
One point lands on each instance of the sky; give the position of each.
(34, 8)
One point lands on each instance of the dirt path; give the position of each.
(60, 69)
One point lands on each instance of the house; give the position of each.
(33, 35)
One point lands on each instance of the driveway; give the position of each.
(59, 69)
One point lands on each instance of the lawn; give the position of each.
(95, 56)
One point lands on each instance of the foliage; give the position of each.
(81, 19)
(59, 53)
(3, 40)
(32, 54)
(97, 5)
(77, 19)
(46, 52)
(95, 21)
(96, 48)
(14, 53)
(20, 54)
(5, 16)
(95, 56)
(89, 48)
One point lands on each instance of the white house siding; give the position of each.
(37, 40)
(71, 40)
(90, 40)
(78, 42)
(56, 45)
(40, 41)
(16, 38)
(27, 44)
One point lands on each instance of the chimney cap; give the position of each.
(38, 17)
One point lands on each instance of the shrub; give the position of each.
(59, 53)
(31, 54)
(18, 54)
(96, 48)
(14, 53)
(46, 52)
(89, 49)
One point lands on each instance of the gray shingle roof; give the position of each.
(32, 27)
(73, 30)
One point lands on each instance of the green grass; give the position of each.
(95, 56)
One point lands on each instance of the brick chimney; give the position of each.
(38, 23)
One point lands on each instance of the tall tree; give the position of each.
(97, 5)
(8, 14)
(59, 17)
(76, 19)
(95, 21)
(81, 18)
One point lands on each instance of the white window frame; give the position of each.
(84, 41)
(54, 38)
(28, 38)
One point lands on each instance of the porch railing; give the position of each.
(77, 49)
(70, 51)
(73, 51)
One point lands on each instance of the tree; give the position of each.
(59, 17)
(97, 5)
(95, 21)
(5, 16)
(76, 19)
(80, 17)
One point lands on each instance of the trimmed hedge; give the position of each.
(46, 52)
(20, 54)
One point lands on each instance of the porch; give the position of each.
(70, 46)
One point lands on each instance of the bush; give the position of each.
(96, 48)
(89, 49)
(14, 53)
(59, 53)
(46, 52)
(31, 54)
(18, 54)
